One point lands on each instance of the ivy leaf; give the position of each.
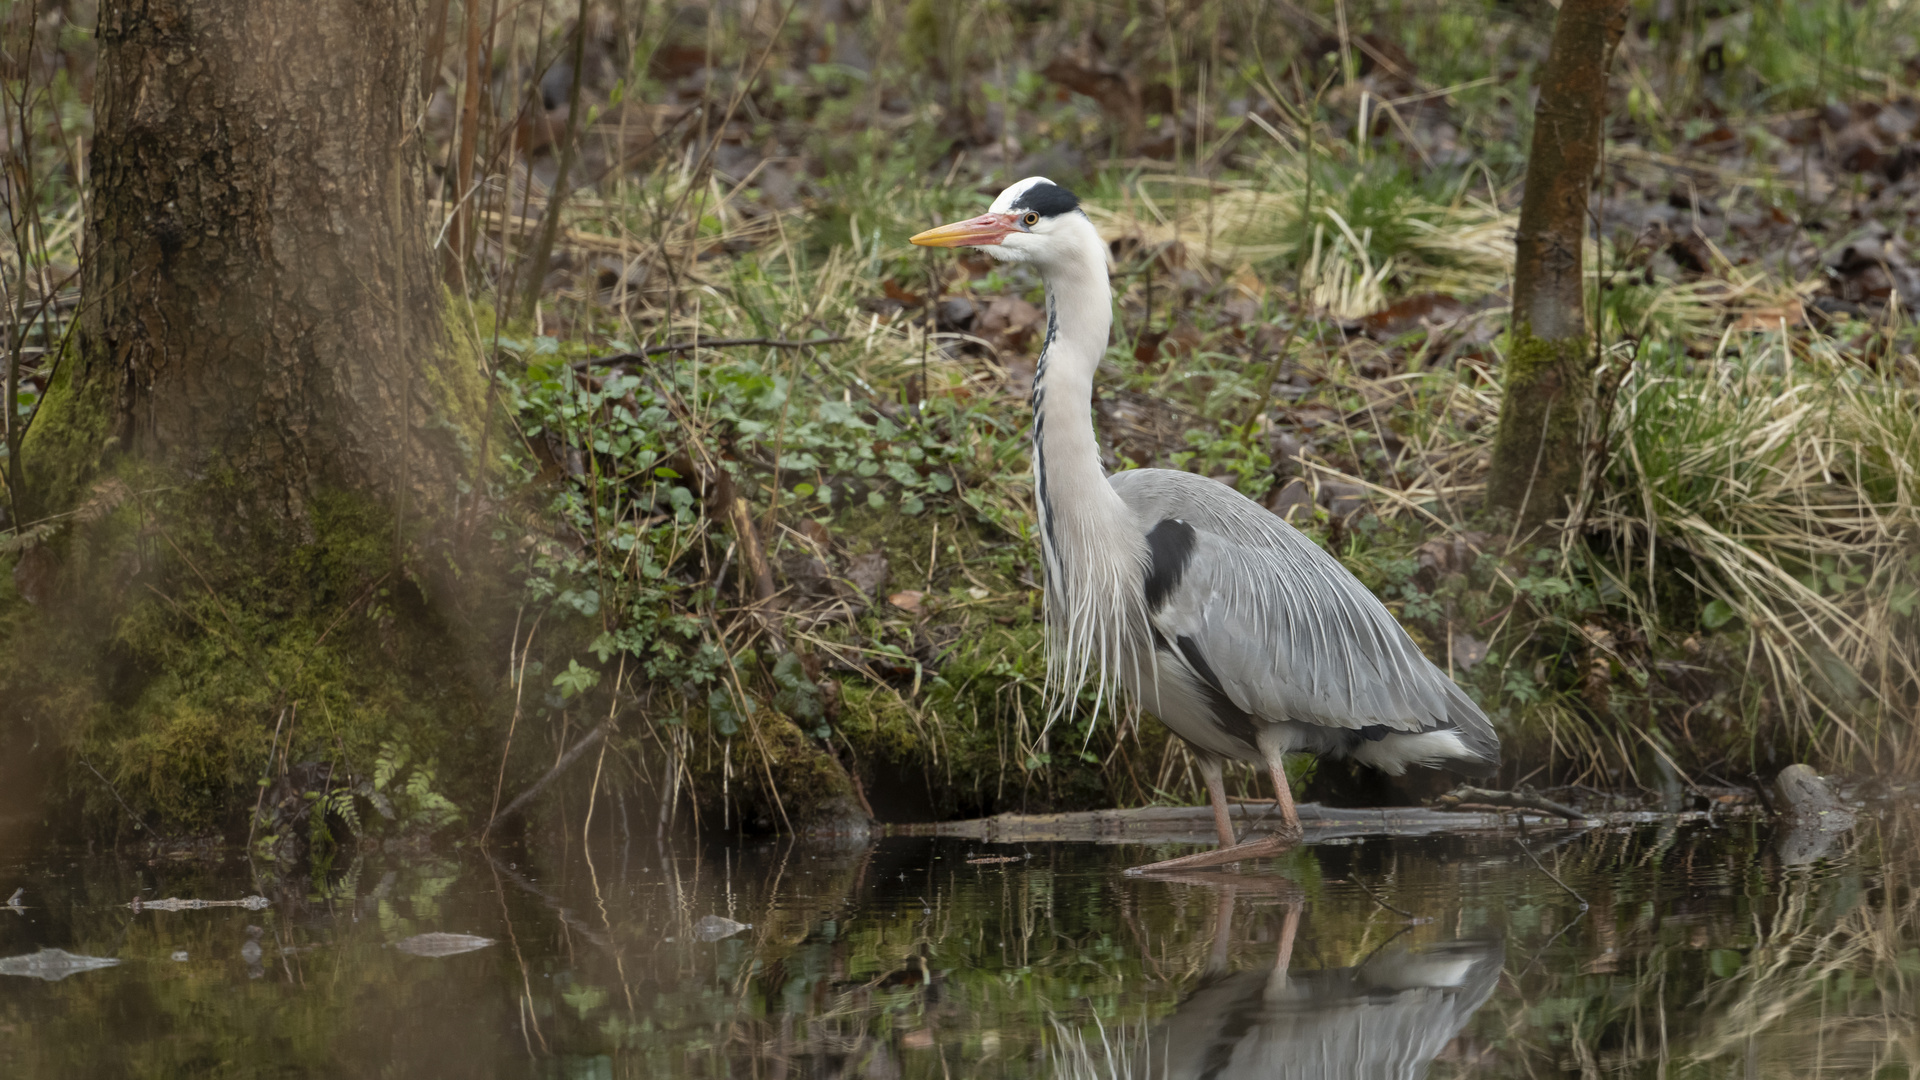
(721, 714)
(799, 697)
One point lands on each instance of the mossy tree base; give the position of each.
(774, 778)
(1546, 418)
(165, 672)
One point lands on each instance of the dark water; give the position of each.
(1701, 954)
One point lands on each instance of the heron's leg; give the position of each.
(1283, 795)
(1210, 771)
(1229, 852)
(1218, 956)
(1284, 958)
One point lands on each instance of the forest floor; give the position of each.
(768, 482)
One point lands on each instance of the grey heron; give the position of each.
(1194, 602)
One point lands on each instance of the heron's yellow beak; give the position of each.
(983, 231)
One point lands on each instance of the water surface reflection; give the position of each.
(1388, 1016)
(1701, 955)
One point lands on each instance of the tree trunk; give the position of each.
(262, 422)
(258, 294)
(1546, 416)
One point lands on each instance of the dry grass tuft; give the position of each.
(1778, 481)
(1354, 237)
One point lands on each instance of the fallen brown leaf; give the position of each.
(1793, 313)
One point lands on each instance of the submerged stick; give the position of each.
(573, 754)
(1550, 874)
(174, 903)
(573, 921)
(1375, 897)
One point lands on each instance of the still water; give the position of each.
(1699, 954)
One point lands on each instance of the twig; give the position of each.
(260, 799)
(526, 980)
(1555, 877)
(137, 823)
(468, 150)
(557, 195)
(436, 48)
(1375, 897)
(1519, 800)
(1299, 274)
(573, 754)
(707, 343)
(348, 610)
(702, 168)
(519, 677)
(1542, 951)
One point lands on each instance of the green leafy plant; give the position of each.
(403, 790)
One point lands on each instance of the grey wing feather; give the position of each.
(1289, 633)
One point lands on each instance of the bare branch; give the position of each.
(707, 343)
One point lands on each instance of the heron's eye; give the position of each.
(1030, 220)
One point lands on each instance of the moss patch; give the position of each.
(65, 443)
(1544, 417)
(775, 777)
(170, 667)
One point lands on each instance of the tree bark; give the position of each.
(1546, 416)
(263, 424)
(258, 295)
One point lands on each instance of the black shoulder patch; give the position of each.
(1170, 546)
(1048, 200)
(1227, 716)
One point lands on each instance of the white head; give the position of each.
(1035, 221)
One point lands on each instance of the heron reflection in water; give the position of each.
(1387, 1017)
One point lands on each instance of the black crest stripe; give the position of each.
(1048, 200)
(1170, 548)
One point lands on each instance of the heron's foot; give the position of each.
(1261, 848)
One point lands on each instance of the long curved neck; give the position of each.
(1092, 550)
(1071, 485)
